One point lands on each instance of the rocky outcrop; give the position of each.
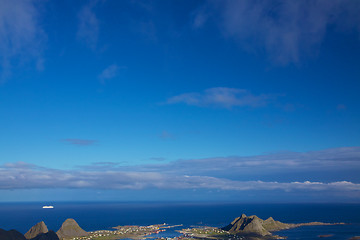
(50, 235)
(39, 228)
(70, 229)
(271, 225)
(11, 235)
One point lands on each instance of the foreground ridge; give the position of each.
(11, 235)
(50, 235)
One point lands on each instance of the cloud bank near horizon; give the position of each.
(27, 176)
(170, 176)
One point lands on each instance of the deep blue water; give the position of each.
(96, 216)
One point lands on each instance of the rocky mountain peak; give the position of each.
(70, 229)
(254, 225)
(39, 228)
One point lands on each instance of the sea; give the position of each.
(93, 216)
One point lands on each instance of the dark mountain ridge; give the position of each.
(50, 235)
(11, 235)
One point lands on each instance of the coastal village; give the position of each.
(146, 232)
(121, 232)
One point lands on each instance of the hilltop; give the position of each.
(69, 229)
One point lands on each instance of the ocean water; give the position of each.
(96, 216)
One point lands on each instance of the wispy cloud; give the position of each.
(160, 159)
(88, 28)
(80, 142)
(341, 107)
(165, 135)
(287, 30)
(21, 36)
(109, 72)
(200, 17)
(222, 97)
(106, 164)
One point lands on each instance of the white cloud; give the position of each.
(21, 36)
(222, 97)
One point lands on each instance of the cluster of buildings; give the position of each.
(121, 231)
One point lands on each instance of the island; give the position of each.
(244, 227)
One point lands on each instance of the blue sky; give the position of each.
(180, 100)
